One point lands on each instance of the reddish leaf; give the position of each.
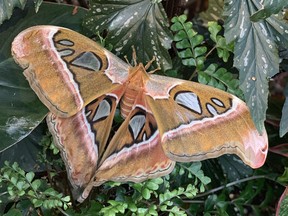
(280, 149)
(283, 196)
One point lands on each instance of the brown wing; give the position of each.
(82, 138)
(134, 153)
(197, 122)
(66, 69)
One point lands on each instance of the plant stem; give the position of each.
(62, 211)
(228, 185)
(210, 51)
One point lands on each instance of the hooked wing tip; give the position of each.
(256, 149)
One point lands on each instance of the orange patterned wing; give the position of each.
(82, 138)
(66, 69)
(197, 122)
(134, 153)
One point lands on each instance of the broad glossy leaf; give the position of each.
(142, 23)
(37, 4)
(234, 168)
(25, 152)
(7, 7)
(284, 118)
(214, 11)
(20, 109)
(256, 52)
(13, 211)
(268, 8)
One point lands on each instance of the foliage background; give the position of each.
(254, 46)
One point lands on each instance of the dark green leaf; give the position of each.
(37, 203)
(256, 54)
(269, 7)
(284, 118)
(6, 8)
(210, 202)
(214, 11)
(21, 111)
(234, 168)
(133, 22)
(37, 4)
(25, 152)
(284, 177)
(13, 212)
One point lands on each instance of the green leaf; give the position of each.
(7, 7)
(37, 4)
(214, 11)
(158, 180)
(220, 78)
(282, 207)
(176, 26)
(223, 49)
(114, 207)
(255, 54)
(141, 23)
(234, 168)
(187, 42)
(25, 152)
(13, 212)
(22, 185)
(21, 193)
(268, 8)
(37, 203)
(152, 186)
(284, 177)
(20, 110)
(284, 119)
(214, 29)
(146, 193)
(66, 199)
(195, 168)
(152, 210)
(30, 176)
(210, 202)
(36, 184)
(14, 180)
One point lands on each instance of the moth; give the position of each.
(166, 119)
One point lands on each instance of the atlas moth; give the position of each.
(166, 119)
